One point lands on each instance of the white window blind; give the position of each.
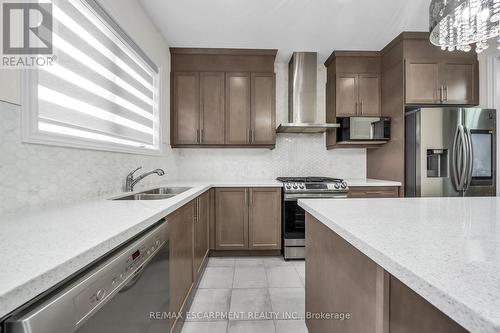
(102, 92)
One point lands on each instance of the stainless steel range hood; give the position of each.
(302, 83)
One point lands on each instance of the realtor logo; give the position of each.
(27, 28)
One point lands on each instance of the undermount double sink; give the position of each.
(155, 194)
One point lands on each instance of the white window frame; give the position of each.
(30, 115)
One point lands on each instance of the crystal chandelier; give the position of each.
(457, 24)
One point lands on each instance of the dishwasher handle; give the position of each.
(69, 308)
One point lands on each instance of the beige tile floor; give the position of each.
(266, 294)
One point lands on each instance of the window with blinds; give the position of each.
(102, 92)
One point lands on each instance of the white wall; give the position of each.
(294, 155)
(36, 175)
(489, 86)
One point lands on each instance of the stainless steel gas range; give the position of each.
(294, 216)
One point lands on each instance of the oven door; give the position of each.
(294, 217)
(294, 220)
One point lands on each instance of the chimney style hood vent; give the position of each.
(302, 82)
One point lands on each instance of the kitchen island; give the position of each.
(403, 265)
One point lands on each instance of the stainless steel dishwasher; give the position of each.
(127, 292)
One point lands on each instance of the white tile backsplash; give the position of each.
(295, 155)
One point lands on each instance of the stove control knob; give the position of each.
(294, 186)
(337, 186)
(302, 186)
(287, 186)
(344, 185)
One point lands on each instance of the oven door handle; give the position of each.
(295, 197)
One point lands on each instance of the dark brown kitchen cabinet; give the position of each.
(460, 82)
(238, 108)
(200, 233)
(263, 109)
(441, 81)
(358, 95)
(347, 95)
(264, 219)
(422, 81)
(369, 95)
(186, 108)
(248, 218)
(212, 85)
(181, 256)
(231, 221)
(373, 192)
(223, 98)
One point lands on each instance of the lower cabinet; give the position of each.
(189, 235)
(264, 222)
(373, 192)
(181, 256)
(200, 233)
(248, 218)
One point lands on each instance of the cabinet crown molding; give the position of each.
(222, 51)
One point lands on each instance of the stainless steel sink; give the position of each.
(145, 196)
(155, 194)
(167, 190)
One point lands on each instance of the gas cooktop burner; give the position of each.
(308, 185)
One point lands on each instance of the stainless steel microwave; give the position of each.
(363, 129)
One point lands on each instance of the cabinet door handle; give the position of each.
(446, 93)
(198, 136)
(250, 135)
(251, 198)
(202, 132)
(441, 93)
(361, 107)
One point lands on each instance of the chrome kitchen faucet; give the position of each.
(131, 181)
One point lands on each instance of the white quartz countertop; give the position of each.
(41, 248)
(367, 182)
(445, 249)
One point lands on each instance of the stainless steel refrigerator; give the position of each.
(450, 152)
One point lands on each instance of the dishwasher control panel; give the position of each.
(117, 274)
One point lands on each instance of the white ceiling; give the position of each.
(287, 25)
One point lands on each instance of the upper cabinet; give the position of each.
(358, 95)
(223, 98)
(212, 85)
(186, 119)
(238, 86)
(353, 88)
(441, 81)
(263, 109)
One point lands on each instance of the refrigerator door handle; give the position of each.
(470, 159)
(463, 155)
(454, 169)
(459, 159)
